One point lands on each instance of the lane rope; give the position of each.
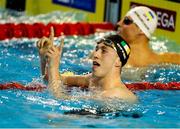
(38, 30)
(132, 86)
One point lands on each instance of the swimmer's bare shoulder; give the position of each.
(128, 96)
(77, 80)
(173, 58)
(121, 93)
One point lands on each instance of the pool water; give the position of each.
(31, 109)
(19, 62)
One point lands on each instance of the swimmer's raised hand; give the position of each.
(45, 43)
(54, 55)
(53, 61)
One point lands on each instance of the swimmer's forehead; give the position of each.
(102, 44)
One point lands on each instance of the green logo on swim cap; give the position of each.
(126, 47)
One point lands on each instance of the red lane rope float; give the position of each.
(133, 86)
(38, 30)
(157, 85)
(15, 85)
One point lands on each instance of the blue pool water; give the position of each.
(19, 62)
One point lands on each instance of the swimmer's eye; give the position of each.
(96, 49)
(104, 51)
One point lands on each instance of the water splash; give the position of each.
(9, 16)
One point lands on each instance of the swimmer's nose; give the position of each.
(96, 54)
(120, 23)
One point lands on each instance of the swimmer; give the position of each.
(110, 55)
(136, 28)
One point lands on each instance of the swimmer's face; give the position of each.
(104, 58)
(128, 29)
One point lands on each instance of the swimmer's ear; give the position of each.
(118, 62)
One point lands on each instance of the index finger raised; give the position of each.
(51, 36)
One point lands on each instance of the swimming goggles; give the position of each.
(107, 42)
(127, 21)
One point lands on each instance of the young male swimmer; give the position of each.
(136, 28)
(110, 55)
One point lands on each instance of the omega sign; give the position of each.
(166, 18)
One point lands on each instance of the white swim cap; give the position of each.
(144, 18)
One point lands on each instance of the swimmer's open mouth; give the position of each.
(118, 29)
(96, 63)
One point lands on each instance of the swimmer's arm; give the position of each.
(56, 83)
(125, 94)
(43, 69)
(73, 80)
(53, 56)
(173, 58)
(76, 80)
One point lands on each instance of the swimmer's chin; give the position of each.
(96, 75)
